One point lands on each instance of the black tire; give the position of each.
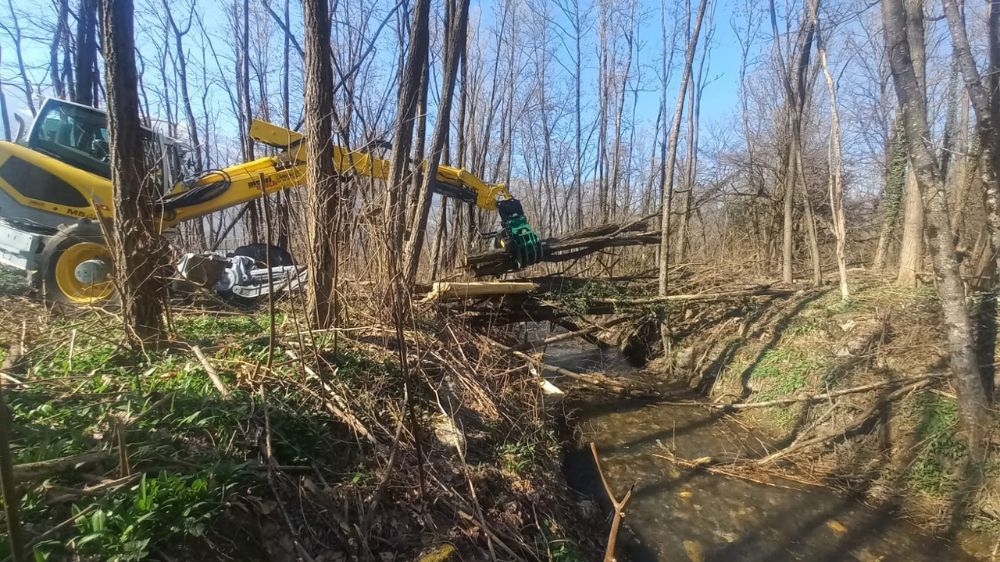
(80, 235)
(260, 252)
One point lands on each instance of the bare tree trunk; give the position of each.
(321, 190)
(836, 190)
(973, 410)
(985, 98)
(86, 53)
(911, 248)
(892, 198)
(58, 35)
(795, 98)
(667, 189)
(695, 89)
(911, 251)
(457, 36)
(139, 251)
(409, 93)
(810, 223)
(253, 215)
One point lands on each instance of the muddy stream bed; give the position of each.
(682, 514)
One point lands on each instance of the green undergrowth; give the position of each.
(811, 346)
(939, 451)
(579, 297)
(12, 281)
(799, 352)
(196, 484)
(194, 456)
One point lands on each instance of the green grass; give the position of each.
(941, 452)
(782, 371)
(206, 329)
(193, 447)
(516, 457)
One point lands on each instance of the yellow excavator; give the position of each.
(54, 181)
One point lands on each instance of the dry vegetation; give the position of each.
(301, 448)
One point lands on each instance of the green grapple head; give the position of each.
(518, 238)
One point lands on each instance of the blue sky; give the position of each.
(720, 96)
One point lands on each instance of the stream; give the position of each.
(681, 514)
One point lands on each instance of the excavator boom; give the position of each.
(57, 181)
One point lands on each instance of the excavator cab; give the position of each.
(78, 135)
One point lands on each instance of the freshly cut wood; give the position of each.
(447, 291)
(571, 246)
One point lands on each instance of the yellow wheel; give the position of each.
(77, 267)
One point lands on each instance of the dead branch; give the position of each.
(210, 370)
(618, 506)
(807, 397)
(763, 290)
(619, 385)
(44, 469)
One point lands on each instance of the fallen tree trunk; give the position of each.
(570, 246)
(447, 291)
(763, 290)
(43, 469)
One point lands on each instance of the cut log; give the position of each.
(43, 469)
(446, 291)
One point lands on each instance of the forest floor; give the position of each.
(301, 450)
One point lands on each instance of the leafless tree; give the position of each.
(138, 249)
(973, 410)
(667, 188)
(321, 188)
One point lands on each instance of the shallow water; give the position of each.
(682, 514)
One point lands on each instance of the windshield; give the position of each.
(75, 135)
(79, 137)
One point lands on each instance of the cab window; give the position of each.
(79, 137)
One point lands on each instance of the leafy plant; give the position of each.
(516, 457)
(129, 525)
(941, 451)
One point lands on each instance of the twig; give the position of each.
(855, 424)
(594, 379)
(618, 505)
(210, 370)
(807, 397)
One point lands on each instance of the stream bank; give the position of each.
(680, 513)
